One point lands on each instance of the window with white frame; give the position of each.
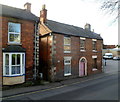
(67, 44)
(13, 64)
(94, 44)
(14, 30)
(67, 66)
(82, 44)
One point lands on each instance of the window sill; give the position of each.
(67, 51)
(94, 50)
(83, 50)
(67, 74)
(14, 44)
(14, 75)
(94, 69)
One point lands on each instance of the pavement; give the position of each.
(23, 90)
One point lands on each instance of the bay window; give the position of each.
(13, 64)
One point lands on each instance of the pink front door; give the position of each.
(81, 68)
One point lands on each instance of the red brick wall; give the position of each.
(76, 54)
(0, 53)
(109, 46)
(45, 57)
(27, 36)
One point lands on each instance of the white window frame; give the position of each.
(22, 66)
(67, 58)
(13, 33)
(67, 45)
(81, 38)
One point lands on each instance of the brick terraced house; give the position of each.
(20, 44)
(33, 46)
(67, 51)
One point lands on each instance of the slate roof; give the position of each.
(14, 48)
(17, 13)
(66, 29)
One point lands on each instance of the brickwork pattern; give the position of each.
(27, 38)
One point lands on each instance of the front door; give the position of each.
(82, 67)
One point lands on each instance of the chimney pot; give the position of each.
(88, 26)
(27, 6)
(43, 7)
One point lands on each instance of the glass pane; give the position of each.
(17, 28)
(17, 38)
(94, 45)
(66, 40)
(7, 59)
(15, 69)
(18, 59)
(67, 48)
(67, 61)
(7, 70)
(83, 60)
(13, 59)
(11, 37)
(11, 27)
(14, 27)
(82, 43)
(67, 69)
(23, 59)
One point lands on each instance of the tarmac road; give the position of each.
(104, 88)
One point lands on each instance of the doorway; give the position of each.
(82, 67)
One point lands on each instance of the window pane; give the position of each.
(18, 59)
(82, 44)
(67, 61)
(95, 63)
(66, 40)
(15, 69)
(67, 69)
(17, 38)
(7, 59)
(7, 69)
(11, 27)
(83, 60)
(17, 28)
(11, 37)
(66, 48)
(14, 27)
(13, 59)
(94, 45)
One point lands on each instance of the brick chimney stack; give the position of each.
(43, 14)
(88, 27)
(27, 6)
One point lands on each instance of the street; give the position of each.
(99, 88)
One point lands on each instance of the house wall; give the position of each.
(27, 37)
(45, 56)
(52, 56)
(0, 52)
(76, 54)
